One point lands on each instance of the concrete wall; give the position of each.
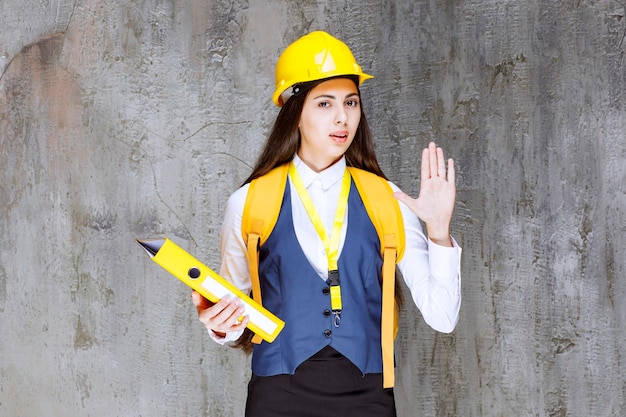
(124, 119)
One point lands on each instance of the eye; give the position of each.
(323, 104)
(352, 103)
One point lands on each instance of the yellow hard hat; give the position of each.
(314, 56)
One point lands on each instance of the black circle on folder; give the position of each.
(193, 272)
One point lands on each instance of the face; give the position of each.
(328, 122)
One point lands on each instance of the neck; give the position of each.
(317, 165)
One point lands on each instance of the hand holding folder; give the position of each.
(210, 285)
(227, 315)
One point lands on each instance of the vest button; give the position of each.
(327, 333)
(325, 290)
(326, 313)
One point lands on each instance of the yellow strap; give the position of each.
(330, 245)
(335, 299)
(253, 263)
(376, 195)
(378, 200)
(256, 228)
(388, 321)
(263, 202)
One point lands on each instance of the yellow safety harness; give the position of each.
(261, 212)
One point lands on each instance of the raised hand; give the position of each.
(435, 203)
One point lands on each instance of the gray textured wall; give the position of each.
(123, 119)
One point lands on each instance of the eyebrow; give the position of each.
(333, 97)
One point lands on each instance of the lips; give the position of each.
(340, 136)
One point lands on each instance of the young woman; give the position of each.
(320, 130)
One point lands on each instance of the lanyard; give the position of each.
(331, 245)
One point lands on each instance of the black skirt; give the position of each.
(326, 385)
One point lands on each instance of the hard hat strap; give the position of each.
(289, 92)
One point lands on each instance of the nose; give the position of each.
(341, 117)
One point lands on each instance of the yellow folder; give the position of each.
(209, 284)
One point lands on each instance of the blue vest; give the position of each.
(293, 291)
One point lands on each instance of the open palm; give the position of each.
(435, 203)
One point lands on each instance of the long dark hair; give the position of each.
(282, 145)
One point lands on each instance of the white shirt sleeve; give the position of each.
(234, 263)
(432, 273)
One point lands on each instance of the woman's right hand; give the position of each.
(221, 317)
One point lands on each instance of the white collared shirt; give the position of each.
(431, 272)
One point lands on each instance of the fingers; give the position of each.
(434, 163)
(441, 164)
(432, 156)
(227, 315)
(451, 171)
